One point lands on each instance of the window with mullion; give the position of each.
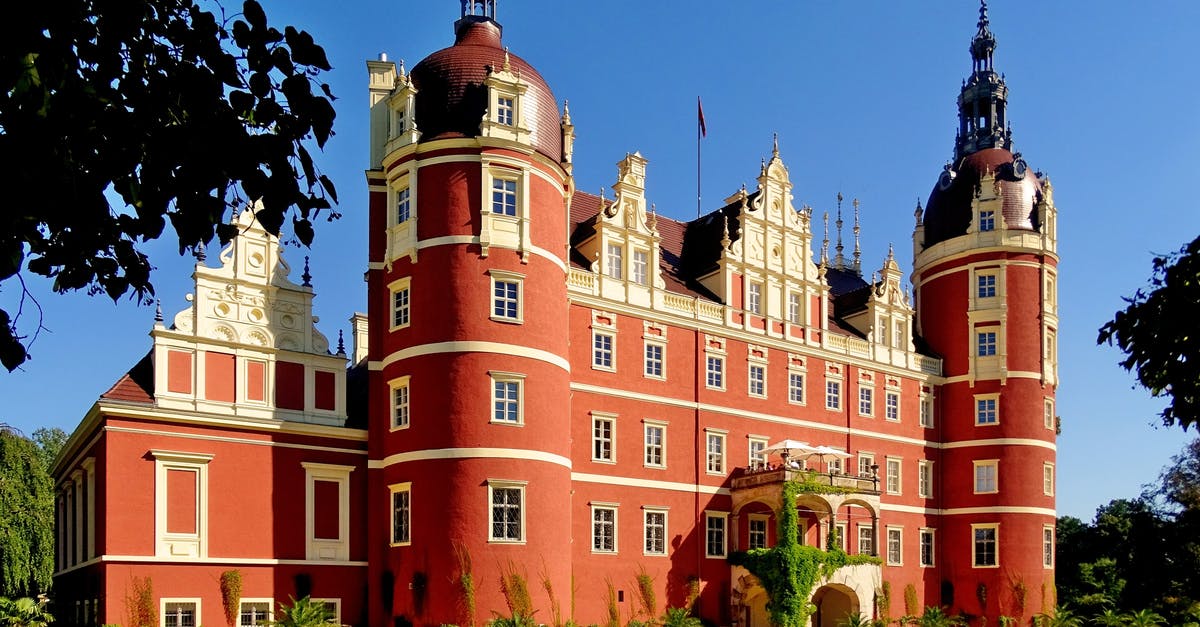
(655, 533)
(655, 441)
(602, 350)
(604, 530)
(504, 197)
(401, 517)
(403, 206)
(654, 360)
(985, 343)
(506, 514)
(507, 396)
(602, 439)
(985, 546)
(505, 300)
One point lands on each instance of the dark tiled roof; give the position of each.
(135, 386)
(948, 211)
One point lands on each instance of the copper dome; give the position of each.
(452, 99)
(948, 212)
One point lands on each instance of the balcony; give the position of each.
(838, 483)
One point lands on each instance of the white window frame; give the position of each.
(754, 297)
(842, 529)
(1048, 548)
(500, 185)
(977, 466)
(987, 410)
(599, 354)
(796, 395)
(337, 609)
(987, 342)
(760, 380)
(173, 544)
(506, 109)
(714, 461)
(866, 400)
(337, 549)
(895, 540)
(868, 538)
(1049, 418)
(639, 266)
(866, 459)
(932, 535)
(987, 220)
(710, 516)
(654, 425)
(660, 360)
(894, 481)
(995, 528)
(647, 512)
(193, 601)
(750, 532)
(891, 406)
(987, 285)
(794, 307)
(403, 205)
(758, 460)
(610, 455)
(1048, 478)
(927, 418)
(833, 395)
(611, 508)
(401, 409)
(401, 313)
(393, 490)
(507, 378)
(505, 484)
(925, 479)
(714, 378)
(269, 602)
(614, 261)
(507, 278)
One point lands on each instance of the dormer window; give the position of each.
(504, 110)
(400, 121)
(504, 197)
(987, 220)
(616, 261)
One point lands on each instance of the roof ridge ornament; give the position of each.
(857, 247)
(839, 261)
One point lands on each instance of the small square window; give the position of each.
(604, 529)
(986, 480)
(506, 300)
(177, 614)
(987, 220)
(892, 406)
(715, 372)
(640, 264)
(714, 536)
(254, 613)
(985, 286)
(403, 206)
(985, 343)
(894, 547)
(504, 197)
(654, 361)
(796, 388)
(504, 110)
(656, 444)
(654, 532)
(758, 380)
(715, 453)
(616, 261)
(833, 395)
(602, 351)
(985, 411)
(927, 547)
(506, 399)
(985, 545)
(603, 435)
(507, 515)
(866, 401)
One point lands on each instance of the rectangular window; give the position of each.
(400, 404)
(833, 395)
(894, 552)
(924, 479)
(866, 540)
(893, 476)
(506, 513)
(985, 343)
(400, 307)
(758, 380)
(506, 301)
(1048, 419)
(604, 529)
(403, 207)
(758, 455)
(1048, 546)
(866, 401)
(1048, 479)
(602, 350)
(180, 614)
(985, 411)
(865, 461)
(715, 453)
(616, 261)
(985, 286)
(506, 399)
(602, 438)
(891, 406)
(254, 613)
(926, 411)
(758, 532)
(654, 360)
(656, 442)
(333, 609)
(754, 298)
(796, 388)
(834, 466)
(504, 110)
(715, 372)
(639, 261)
(327, 510)
(927, 547)
(714, 527)
(504, 197)
(898, 335)
(655, 532)
(984, 548)
(794, 308)
(987, 220)
(986, 481)
(401, 514)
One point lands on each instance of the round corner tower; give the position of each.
(985, 278)
(469, 374)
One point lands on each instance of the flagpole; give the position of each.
(699, 133)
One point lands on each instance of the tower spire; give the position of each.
(825, 242)
(839, 261)
(984, 97)
(857, 247)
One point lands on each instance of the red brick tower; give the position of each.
(985, 280)
(469, 386)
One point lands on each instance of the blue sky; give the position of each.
(862, 94)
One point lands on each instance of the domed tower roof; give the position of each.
(452, 98)
(983, 146)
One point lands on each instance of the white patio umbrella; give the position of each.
(790, 448)
(822, 452)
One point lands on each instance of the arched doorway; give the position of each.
(756, 608)
(834, 603)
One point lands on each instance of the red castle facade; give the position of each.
(571, 388)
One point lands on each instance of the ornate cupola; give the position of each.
(981, 115)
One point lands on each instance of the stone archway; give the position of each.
(755, 608)
(834, 603)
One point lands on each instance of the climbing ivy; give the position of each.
(789, 570)
(808, 484)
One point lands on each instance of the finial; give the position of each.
(919, 213)
(566, 119)
(198, 252)
(725, 241)
(306, 277)
(825, 243)
(983, 16)
(839, 261)
(401, 68)
(341, 348)
(762, 166)
(158, 317)
(652, 222)
(857, 248)
(891, 252)
(507, 64)
(775, 148)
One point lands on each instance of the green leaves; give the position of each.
(185, 116)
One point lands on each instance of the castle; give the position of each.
(570, 388)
